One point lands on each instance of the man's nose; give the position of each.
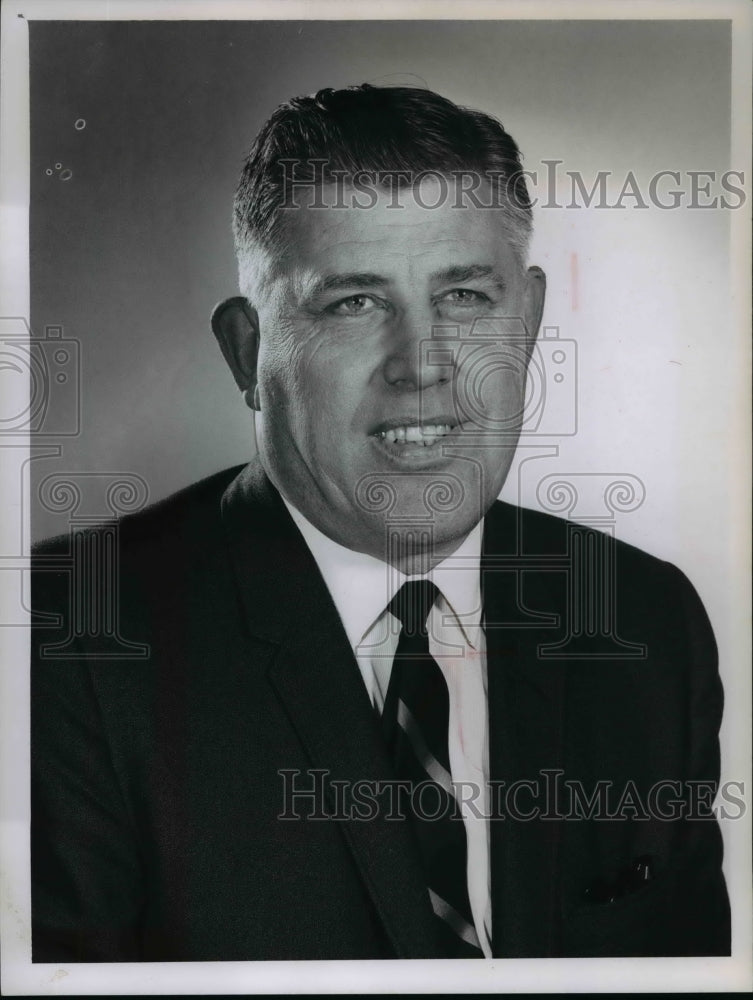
(414, 359)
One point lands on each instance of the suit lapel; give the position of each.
(285, 601)
(526, 702)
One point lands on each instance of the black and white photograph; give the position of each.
(375, 478)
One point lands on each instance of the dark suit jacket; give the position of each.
(156, 767)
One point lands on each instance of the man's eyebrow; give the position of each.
(468, 272)
(336, 282)
(368, 279)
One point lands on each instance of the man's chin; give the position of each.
(414, 540)
(447, 500)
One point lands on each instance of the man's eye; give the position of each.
(465, 297)
(354, 305)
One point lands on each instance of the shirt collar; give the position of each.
(362, 586)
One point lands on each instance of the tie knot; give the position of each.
(411, 605)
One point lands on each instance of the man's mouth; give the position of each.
(422, 434)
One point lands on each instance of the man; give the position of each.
(374, 712)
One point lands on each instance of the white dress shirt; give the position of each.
(361, 587)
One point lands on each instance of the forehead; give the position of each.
(402, 233)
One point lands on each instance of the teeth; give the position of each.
(414, 434)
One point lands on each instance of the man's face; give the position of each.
(371, 424)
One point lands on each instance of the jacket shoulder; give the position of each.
(645, 582)
(191, 510)
(535, 532)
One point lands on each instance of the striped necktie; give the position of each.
(415, 722)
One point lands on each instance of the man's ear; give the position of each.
(533, 302)
(235, 324)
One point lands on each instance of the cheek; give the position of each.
(331, 371)
(489, 385)
(293, 353)
(279, 366)
(310, 395)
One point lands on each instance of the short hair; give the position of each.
(367, 129)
